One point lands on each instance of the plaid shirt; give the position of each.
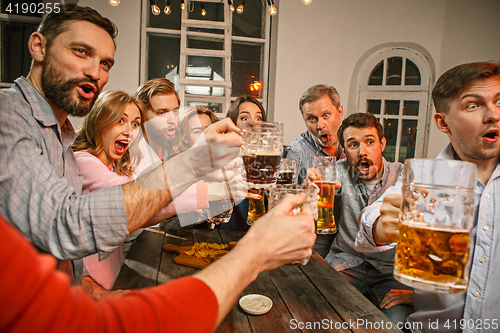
(39, 183)
(351, 198)
(303, 148)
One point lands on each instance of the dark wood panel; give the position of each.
(304, 301)
(140, 269)
(349, 303)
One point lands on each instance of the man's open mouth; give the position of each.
(171, 131)
(324, 138)
(87, 90)
(364, 166)
(491, 135)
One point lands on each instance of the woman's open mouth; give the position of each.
(121, 146)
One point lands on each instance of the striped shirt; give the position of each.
(39, 183)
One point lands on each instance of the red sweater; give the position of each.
(36, 298)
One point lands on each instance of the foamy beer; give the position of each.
(278, 192)
(262, 149)
(256, 207)
(327, 168)
(436, 220)
(289, 171)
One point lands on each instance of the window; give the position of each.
(15, 30)
(394, 85)
(211, 59)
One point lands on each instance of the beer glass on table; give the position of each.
(327, 170)
(278, 192)
(437, 215)
(288, 172)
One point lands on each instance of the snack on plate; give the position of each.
(209, 252)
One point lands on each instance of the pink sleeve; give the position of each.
(193, 198)
(95, 174)
(42, 300)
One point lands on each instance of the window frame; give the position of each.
(399, 92)
(16, 19)
(228, 40)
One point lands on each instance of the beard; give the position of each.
(59, 92)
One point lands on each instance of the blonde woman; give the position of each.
(106, 153)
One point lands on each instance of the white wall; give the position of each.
(323, 42)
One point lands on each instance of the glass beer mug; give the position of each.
(437, 215)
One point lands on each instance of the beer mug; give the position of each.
(327, 168)
(436, 220)
(278, 192)
(288, 172)
(262, 149)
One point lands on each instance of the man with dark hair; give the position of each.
(322, 112)
(467, 102)
(40, 190)
(364, 175)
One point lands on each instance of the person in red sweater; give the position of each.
(37, 298)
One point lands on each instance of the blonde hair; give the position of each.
(183, 124)
(107, 111)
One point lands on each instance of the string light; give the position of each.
(167, 9)
(114, 2)
(307, 2)
(240, 8)
(272, 9)
(183, 5)
(203, 11)
(231, 6)
(155, 9)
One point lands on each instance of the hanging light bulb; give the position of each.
(167, 9)
(114, 2)
(239, 10)
(272, 9)
(183, 5)
(203, 11)
(307, 2)
(231, 6)
(154, 7)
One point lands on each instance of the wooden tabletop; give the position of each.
(313, 297)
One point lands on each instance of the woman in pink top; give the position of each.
(106, 153)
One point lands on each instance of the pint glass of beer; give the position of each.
(436, 220)
(256, 207)
(289, 171)
(278, 192)
(262, 149)
(327, 169)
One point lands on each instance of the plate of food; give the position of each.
(256, 304)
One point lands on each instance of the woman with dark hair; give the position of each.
(244, 108)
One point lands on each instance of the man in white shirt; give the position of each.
(467, 102)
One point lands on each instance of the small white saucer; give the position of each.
(265, 302)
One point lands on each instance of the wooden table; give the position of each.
(303, 296)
